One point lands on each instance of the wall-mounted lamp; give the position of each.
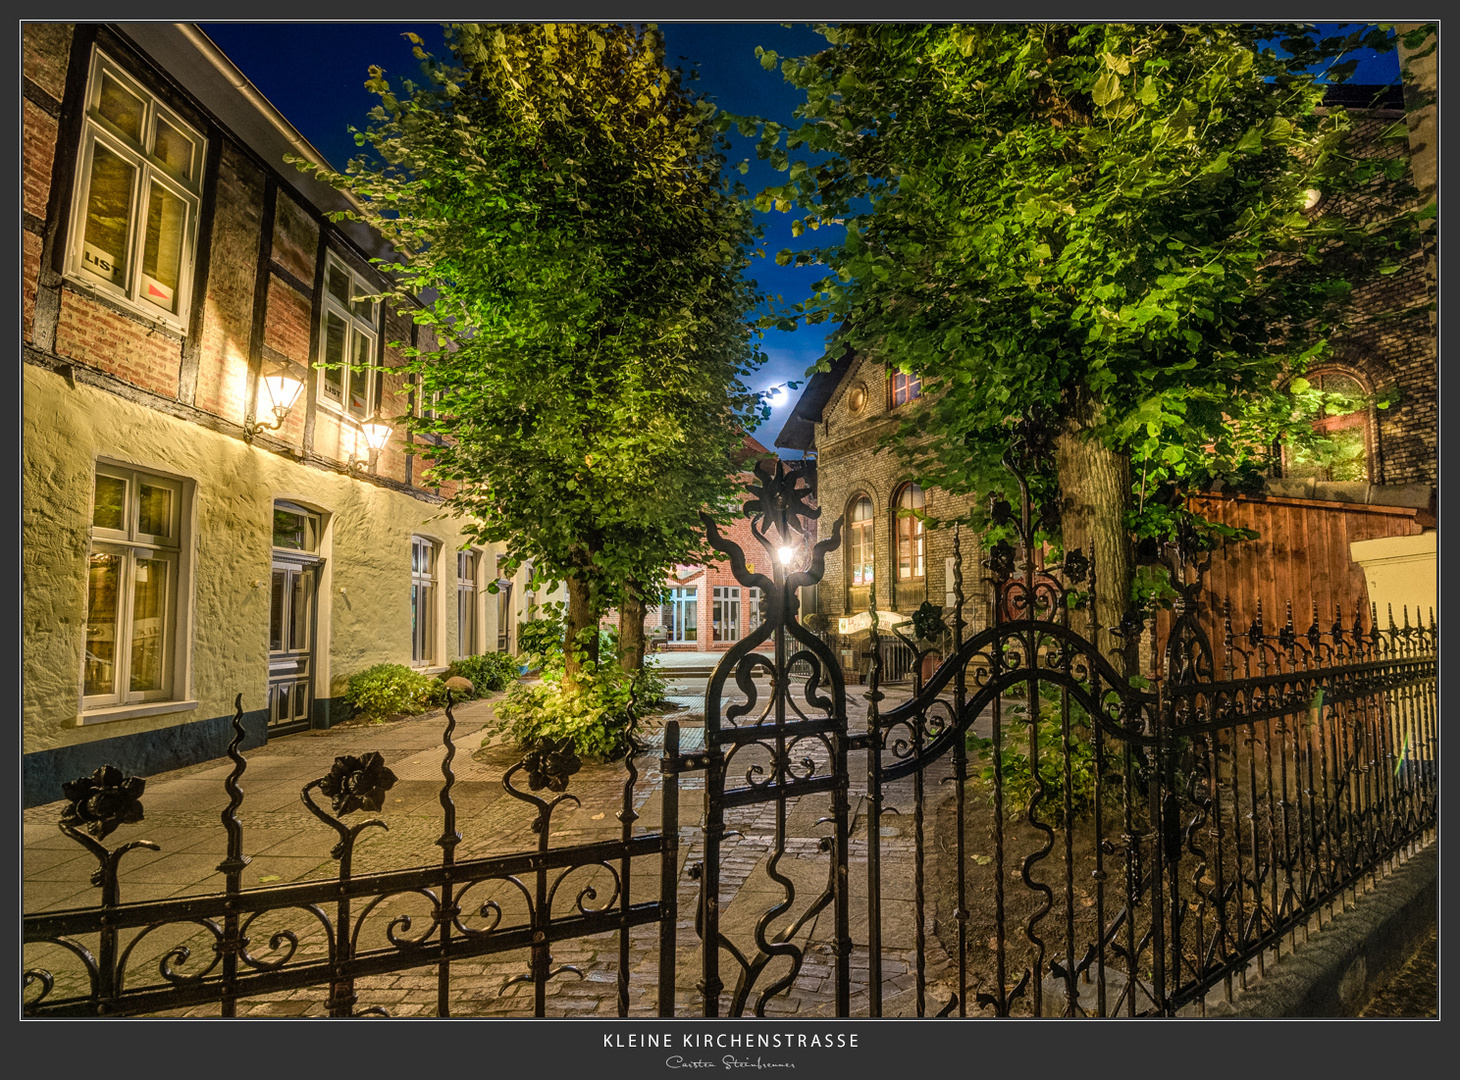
(278, 393)
(377, 434)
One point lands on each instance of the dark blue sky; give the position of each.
(314, 74)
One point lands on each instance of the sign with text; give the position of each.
(862, 622)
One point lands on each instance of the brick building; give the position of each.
(1382, 493)
(706, 609)
(178, 549)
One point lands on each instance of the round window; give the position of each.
(857, 399)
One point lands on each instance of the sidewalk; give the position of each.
(183, 811)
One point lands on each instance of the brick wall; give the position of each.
(94, 334)
(232, 273)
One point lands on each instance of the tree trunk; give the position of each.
(631, 628)
(1095, 483)
(579, 648)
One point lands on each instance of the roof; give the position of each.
(799, 431)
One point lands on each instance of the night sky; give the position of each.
(314, 74)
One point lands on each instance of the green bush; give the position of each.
(541, 640)
(487, 673)
(1018, 778)
(387, 690)
(594, 714)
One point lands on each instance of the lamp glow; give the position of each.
(377, 433)
(785, 554)
(281, 392)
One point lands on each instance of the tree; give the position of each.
(555, 192)
(1102, 224)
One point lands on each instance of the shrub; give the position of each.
(488, 672)
(593, 714)
(1018, 778)
(541, 640)
(387, 690)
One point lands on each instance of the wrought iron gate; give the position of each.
(1115, 848)
(1147, 841)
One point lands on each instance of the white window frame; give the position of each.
(725, 613)
(359, 327)
(682, 599)
(424, 638)
(132, 546)
(754, 609)
(468, 607)
(98, 131)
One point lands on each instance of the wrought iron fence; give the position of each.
(250, 943)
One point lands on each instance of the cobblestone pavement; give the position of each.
(1414, 990)
(183, 809)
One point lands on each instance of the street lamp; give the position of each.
(278, 392)
(377, 434)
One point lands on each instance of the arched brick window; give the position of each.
(1340, 415)
(910, 546)
(859, 549)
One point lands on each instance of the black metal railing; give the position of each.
(249, 943)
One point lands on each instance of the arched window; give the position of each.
(1340, 416)
(859, 543)
(908, 528)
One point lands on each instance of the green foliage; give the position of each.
(1103, 221)
(593, 711)
(559, 190)
(488, 672)
(1018, 776)
(387, 690)
(541, 640)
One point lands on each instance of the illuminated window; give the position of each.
(754, 609)
(1340, 417)
(725, 612)
(466, 602)
(908, 528)
(133, 642)
(138, 183)
(859, 542)
(905, 388)
(349, 381)
(423, 602)
(681, 614)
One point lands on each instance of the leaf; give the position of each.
(1106, 89)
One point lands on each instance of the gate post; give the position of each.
(669, 868)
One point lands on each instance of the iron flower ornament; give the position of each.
(358, 783)
(779, 500)
(102, 801)
(550, 764)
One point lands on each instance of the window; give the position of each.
(295, 528)
(466, 602)
(908, 528)
(725, 612)
(1340, 417)
(349, 382)
(859, 542)
(135, 216)
(504, 610)
(133, 568)
(681, 614)
(905, 388)
(754, 609)
(423, 602)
